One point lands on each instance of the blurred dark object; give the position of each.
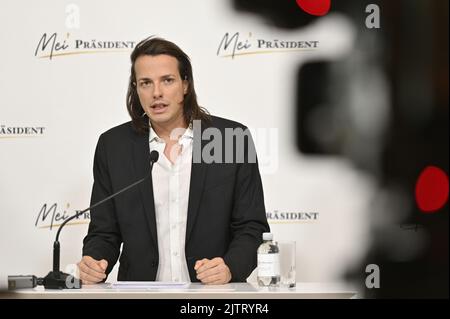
(416, 63)
(283, 14)
(287, 14)
(384, 107)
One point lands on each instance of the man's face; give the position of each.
(160, 88)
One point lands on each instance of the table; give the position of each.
(193, 291)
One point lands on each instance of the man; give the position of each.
(198, 218)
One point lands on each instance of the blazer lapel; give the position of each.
(198, 173)
(141, 158)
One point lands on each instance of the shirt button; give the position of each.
(176, 279)
(175, 253)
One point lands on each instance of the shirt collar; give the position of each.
(188, 134)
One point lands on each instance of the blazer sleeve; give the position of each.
(103, 239)
(249, 219)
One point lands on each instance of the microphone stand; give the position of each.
(56, 279)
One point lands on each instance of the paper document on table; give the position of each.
(149, 285)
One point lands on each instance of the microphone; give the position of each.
(57, 279)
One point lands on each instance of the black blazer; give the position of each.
(226, 213)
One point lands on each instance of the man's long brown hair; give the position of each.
(156, 46)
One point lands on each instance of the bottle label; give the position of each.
(268, 265)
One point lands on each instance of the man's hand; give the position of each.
(212, 272)
(92, 271)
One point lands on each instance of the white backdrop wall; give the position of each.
(75, 97)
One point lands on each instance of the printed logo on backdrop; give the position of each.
(54, 44)
(52, 216)
(237, 44)
(21, 131)
(277, 216)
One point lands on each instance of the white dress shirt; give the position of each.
(171, 194)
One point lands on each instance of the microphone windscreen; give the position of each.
(154, 155)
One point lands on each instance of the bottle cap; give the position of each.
(267, 236)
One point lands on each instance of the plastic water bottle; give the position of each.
(268, 262)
